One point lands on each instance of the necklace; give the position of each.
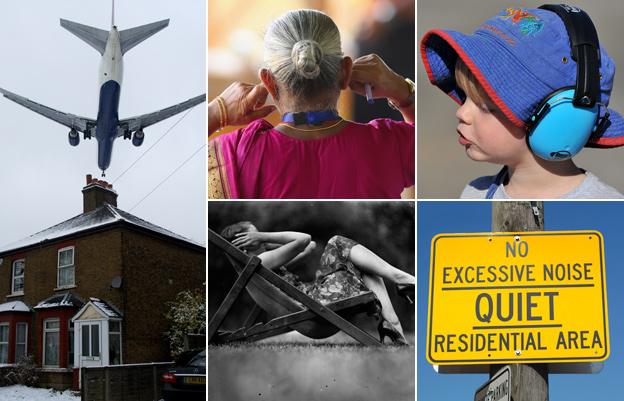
(310, 117)
(313, 129)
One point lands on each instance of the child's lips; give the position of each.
(462, 139)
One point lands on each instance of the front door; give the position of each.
(90, 338)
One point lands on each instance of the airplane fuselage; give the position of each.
(112, 45)
(111, 74)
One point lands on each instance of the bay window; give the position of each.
(51, 337)
(4, 343)
(91, 341)
(114, 342)
(21, 341)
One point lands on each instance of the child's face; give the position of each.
(488, 136)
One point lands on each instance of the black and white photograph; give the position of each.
(311, 300)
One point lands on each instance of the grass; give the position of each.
(291, 367)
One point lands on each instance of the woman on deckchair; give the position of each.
(346, 269)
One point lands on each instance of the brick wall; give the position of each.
(97, 259)
(155, 272)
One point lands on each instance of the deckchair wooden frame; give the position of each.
(250, 332)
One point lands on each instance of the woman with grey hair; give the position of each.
(313, 152)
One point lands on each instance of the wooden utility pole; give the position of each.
(517, 216)
(529, 382)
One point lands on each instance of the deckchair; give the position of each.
(287, 307)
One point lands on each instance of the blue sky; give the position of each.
(455, 217)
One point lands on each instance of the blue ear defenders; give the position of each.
(565, 119)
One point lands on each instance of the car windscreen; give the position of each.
(198, 360)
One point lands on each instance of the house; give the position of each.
(93, 290)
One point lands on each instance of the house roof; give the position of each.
(106, 308)
(103, 216)
(14, 306)
(67, 299)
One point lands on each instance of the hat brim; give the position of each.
(440, 50)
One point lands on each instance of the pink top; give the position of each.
(374, 160)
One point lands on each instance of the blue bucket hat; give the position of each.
(519, 57)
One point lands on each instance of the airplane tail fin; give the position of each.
(93, 36)
(133, 36)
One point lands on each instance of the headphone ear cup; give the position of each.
(562, 129)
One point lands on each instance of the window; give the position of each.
(66, 267)
(198, 360)
(4, 343)
(91, 341)
(51, 334)
(18, 276)
(21, 341)
(70, 359)
(114, 342)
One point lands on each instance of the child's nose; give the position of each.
(463, 114)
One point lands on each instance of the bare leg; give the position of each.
(377, 286)
(368, 262)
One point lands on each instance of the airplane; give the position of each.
(107, 127)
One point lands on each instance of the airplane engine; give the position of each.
(137, 138)
(74, 138)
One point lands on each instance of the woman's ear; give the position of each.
(346, 66)
(269, 82)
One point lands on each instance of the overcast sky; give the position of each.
(41, 175)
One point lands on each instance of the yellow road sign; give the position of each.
(529, 297)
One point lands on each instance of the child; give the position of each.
(500, 75)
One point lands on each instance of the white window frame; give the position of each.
(46, 330)
(25, 343)
(87, 328)
(6, 324)
(115, 333)
(13, 277)
(59, 267)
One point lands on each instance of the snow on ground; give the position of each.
(19, 393)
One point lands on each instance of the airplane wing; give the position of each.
(145, 120)
(78, 123)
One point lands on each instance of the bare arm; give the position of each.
(303, 255)
(408, 112)
(243, 103)
(384, 82)
(291, 245)
(213, 117)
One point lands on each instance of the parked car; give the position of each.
(187, 381)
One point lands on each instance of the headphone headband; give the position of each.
(585, 51)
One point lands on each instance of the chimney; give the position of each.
(96, 193)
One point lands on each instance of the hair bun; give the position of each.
(306, 56)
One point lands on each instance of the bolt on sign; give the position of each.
(530, 297)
